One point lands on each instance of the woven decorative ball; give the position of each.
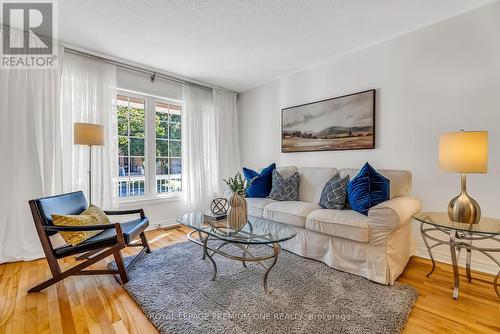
(219, 206)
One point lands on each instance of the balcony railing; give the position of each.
(135, 185)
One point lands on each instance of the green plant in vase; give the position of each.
(237, 215)
(237, 184)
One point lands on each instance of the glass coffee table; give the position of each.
(215, 238)
(458, 236)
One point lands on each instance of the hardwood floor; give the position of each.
(97, 304)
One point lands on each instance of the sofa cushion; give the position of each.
(260, 183)
(290, 212)
(287, 171)
(312, 181)
(285, 189)
(256, 206)
(346, 224)
(400, 180)
(334, 193)
(367, 189)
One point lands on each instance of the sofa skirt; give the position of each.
(381, 260)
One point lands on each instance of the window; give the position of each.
(168, 148)
(131, 153)
(149, 146)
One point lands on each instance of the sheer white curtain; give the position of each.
(227, 135)
(210, 139)
(88, 94)
(30, 150)
(200, 165)
(37, 112)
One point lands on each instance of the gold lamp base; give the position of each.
(463, 208)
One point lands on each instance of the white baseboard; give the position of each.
(164, 223)
(443, 256)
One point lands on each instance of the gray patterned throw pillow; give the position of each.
(334, 193)
(285, 189)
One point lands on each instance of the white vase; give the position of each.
(237, 215)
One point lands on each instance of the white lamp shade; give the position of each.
(464, 152)
(88, 134)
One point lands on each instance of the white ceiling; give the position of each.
(239, 44)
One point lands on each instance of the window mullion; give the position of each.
(168, 151)
(151, 146)
(129, 159)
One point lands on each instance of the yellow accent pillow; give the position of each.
(91, 216)
(97, 213)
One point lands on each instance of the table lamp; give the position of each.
(91, 135)
(464, 152)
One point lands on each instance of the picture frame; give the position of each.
(340, 123)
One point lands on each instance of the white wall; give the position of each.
(442, 78)
(141, 83)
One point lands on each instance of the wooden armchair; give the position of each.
(111, 241)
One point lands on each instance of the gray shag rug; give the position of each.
(173, 288)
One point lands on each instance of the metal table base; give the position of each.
(246, 256)
(458, 240)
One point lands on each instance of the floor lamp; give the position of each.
(91, 135)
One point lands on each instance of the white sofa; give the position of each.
(376, 246)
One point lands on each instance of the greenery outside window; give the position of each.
(149, 146)
(131, 153)
(168, 148)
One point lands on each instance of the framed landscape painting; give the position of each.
(340, 123)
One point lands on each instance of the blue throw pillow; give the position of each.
(261, 183)
(367, 189)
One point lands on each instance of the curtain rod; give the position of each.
(152, 74)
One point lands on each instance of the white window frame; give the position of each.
(150, 193)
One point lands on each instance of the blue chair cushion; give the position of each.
(261, 183)
(67, 204)
(367, 189)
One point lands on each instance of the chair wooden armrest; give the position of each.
(126, 212)
(80, 228)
